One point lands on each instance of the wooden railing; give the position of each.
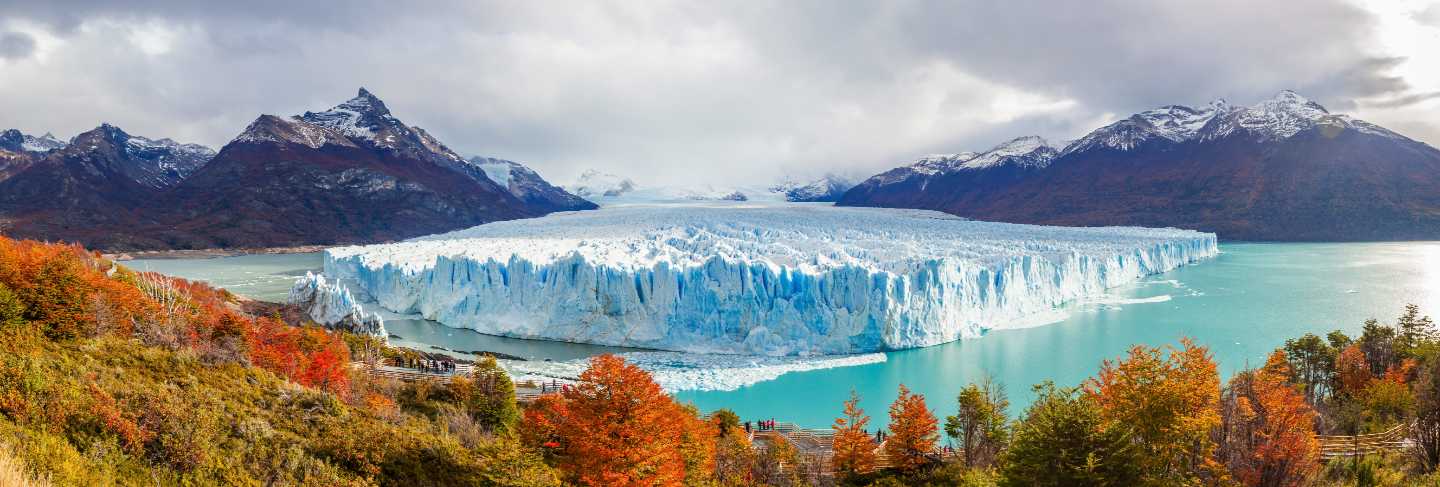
(1334, 446)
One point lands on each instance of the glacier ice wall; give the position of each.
(332, 305)
(794, 279)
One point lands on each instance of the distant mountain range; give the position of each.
(606, 188)
(1283, 169)
(351, 174)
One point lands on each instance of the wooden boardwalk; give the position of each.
(408, 374)
(1393, 439)
(525, 392)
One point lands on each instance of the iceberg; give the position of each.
(331, 304)
(781, 279)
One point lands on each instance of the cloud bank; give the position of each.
(703, 92)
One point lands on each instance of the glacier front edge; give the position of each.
(797, 279)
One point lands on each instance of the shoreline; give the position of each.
(212, 253)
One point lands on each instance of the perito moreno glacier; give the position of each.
(769, 279)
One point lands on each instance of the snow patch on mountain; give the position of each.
(363, 117)
(941, 163)
(173, 161)
(14, 140)
(752, 278)
(44, 143)
(1029, 151)
(497, 170)
(1280, 117)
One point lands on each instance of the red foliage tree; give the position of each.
(1267, 433)
(1352, 370)
(308, 356)
(617, 427)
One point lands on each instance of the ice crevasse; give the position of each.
(796, 279)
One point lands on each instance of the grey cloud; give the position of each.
(16, 45)
(1405, 101)
(1430, 16)
(686, 91)
(1133, 55)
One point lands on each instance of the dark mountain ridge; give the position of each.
(1285, 169)
(351, 174)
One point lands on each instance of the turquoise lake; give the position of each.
(1242, 304)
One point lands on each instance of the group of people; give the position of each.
(762, 425)
(426, 365)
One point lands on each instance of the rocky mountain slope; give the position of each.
(527, 185)
(100, 181)
(15, 141)
(1283, 169)
(353, 173)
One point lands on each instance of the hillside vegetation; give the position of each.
(111, 377)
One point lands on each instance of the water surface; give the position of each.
(1242, 305)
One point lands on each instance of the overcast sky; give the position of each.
(708, 92)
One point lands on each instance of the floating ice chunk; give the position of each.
(693, 372)
(331, 304)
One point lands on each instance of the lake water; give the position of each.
(1242, 305)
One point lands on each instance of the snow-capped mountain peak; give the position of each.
(362, 121)
(1027, 151)
(16, 141)
(157, 163)
(823, 189)
(1280, 117)
(938, 163)
(364, 117)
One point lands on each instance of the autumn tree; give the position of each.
(697, 445)
(1169, 398)
(914, 432)
(327, 362)
(1063, 440)
(1352, 371)
(979, 423)
(1386, 401)
(1267, 430)
(854, 447)
(615, 426)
